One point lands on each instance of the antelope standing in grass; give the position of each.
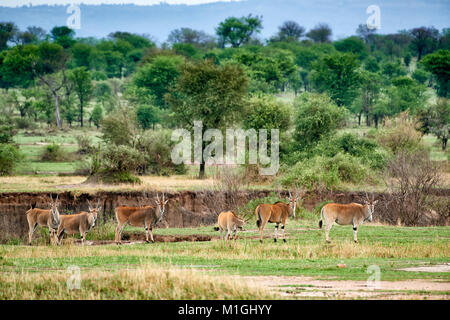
(344, 214)
(229, 222)
(275, 213)
(81, 222)
(145, 216)
(44, 218)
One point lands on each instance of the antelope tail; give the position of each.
(216, 228)
(321, 218)
(258, 222)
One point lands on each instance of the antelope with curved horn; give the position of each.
(81, 222)
(275, 213)
(344, 214)
(146, 216)
(44, 218)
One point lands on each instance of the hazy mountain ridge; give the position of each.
(158, 20)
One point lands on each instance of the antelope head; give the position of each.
(370, 203)
(94, 211)
(293, 198)
(56, 220)
(160, 205)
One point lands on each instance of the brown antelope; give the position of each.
(81, 222)
(275, 213)
(344, 214)
(229, 222)
(144, 216)
(44, 218)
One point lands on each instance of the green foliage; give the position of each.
(10, 156)
(265, 112)
(338, 76)
(238, 31)
(147, 116)
(435, 119)
(421, 76)
(438, 64)
(156, 77)
(317, 116)
(80, 78)
(54, 153)
(119, 128)
(321, 172)
(97, 115)
(156, 148)
(354, 45)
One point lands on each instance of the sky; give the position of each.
(18, 3)
(151, 18)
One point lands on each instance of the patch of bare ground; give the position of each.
(310, 288)
(435, 268)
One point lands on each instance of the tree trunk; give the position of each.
(359, 118)
(444, 144)
(201, 174)
(58, 117)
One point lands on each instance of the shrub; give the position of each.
(400, 135)
(10, 156)
(84, 143)
(54, 153)
(119, 128)
(156, 148)
(321, 172)
(147, 116)
(317, 116)
(410, 180)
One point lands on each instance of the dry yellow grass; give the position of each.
(146, 282)
(75, 183)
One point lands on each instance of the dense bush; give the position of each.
(10, 156)
(155, 148)
(321, 172)
(54, 153)
(317, 116)
(119, 128)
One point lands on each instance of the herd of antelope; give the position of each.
(148, 216)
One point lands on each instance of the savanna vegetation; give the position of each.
(369, 112)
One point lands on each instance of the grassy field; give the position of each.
(212, 270)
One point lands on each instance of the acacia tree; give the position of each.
(320, 33)
(237, 31)
(209, 93)
(289, 31)
(438, 63)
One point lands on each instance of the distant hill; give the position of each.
(158, 20)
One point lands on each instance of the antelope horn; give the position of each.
(98, 203)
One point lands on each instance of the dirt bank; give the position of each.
(184, 209)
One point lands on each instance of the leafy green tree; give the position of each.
(424, 40)
(7, 32)
(156, 77)
(238, 31)
(209, 93)
(436, 120)
(317, 116)
(147, 116)
(289, 31)
(196, 38)
(404, 94)
(320, 33)
(438, 63)
(82, 84)
(97, 115)
(421, 76)
(369, 91)
(354, 45)
(338, 76)
(63, 36)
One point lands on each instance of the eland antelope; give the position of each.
(145, 216)
(229, 222)
(344, 214)
(81, 222)
(275, 213)
(44, 218)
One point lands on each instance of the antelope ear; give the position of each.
(375, 202)
(166, 201)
